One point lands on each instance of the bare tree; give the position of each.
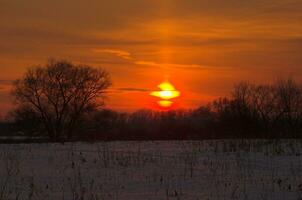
(263, 103)
(61, 93)
(289, 98)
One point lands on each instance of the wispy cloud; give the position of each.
(174, 65)
(6, 82)
(128, 89)
(127, 56)
(5, 85)
(120, 53)
(134, 89)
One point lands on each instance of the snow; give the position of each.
(213, 169)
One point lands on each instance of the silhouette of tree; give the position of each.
(26, 119)
(289, 102)
(60, 93)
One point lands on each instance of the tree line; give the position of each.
(251, 111)
(63, 101)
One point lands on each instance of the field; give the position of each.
(214, 169)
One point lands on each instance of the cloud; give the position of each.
(6, 82)
(32, 28)
(134, 89)
(128, 89)
(5, 85)
(116, 14)
(174, 65)
(123, 54)
(127, 56)
(150, 63)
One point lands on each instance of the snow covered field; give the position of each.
(216, 169)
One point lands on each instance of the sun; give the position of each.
(167, 93)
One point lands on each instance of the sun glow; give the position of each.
(165, 103)
(167, 93)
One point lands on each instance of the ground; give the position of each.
(212, 169)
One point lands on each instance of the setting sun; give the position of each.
(167, 93)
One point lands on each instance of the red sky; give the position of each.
(203, 46)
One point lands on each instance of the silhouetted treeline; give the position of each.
(250, 111)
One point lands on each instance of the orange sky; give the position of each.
(203, 47)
